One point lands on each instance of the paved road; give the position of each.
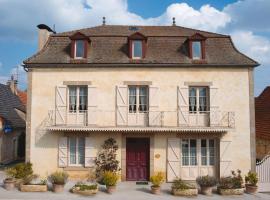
(125, 190)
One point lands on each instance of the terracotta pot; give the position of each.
(110, 189)
(58, 188)
(155, 189)
(206, 190)
(9, 184)
(250, 189)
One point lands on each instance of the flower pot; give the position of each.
(155, 189)
(206, 190)
(33, 188)
(58, 188)
(185, 192)
(237, 191)
(9, 183)
(110, 189)
(251, 189)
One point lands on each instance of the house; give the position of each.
(12, 123)
(175, 99)
(262, 118)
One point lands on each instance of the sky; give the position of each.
(245, 20)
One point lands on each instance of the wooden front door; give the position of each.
(138, 150)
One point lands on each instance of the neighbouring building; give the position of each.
(175, 99)
(12, 122)
(262, 117)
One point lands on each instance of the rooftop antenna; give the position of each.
(173, 23)
(103, 21)
(54, 28)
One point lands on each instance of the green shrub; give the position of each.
(20, 171)
(232, 182)
(179, 184)
(84, 186)
(58, 177)
(206, 181)
(110, 178)
(251, 178)
(157, 179)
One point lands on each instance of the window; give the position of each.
(189, 152)
(77, 98)
(138, 99)
(76, 150)
(137, 49)
(196, 50)
(207, 152)
(198, 99)
(79, 48)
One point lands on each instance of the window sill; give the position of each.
(75, 168)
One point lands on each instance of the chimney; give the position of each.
(43, 34)
(12, 83)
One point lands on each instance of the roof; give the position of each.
(165, 45)
(262, 114)
(22, 96)
(9, 102)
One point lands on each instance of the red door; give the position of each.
(137, 159)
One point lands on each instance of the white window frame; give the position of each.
(77, 99)
(208, 152)
(138, 98)
(77, 152)
(197, 111)
(75, 49)
(133, 41)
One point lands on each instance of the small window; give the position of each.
(76, 151)
(78, 98)
(196, 50)
(208, 152)
(198, 99)
(136, 49)
(138, 99)
(79, 48)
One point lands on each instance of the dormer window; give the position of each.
(196, 50)
(79, 46)
(197, 47)
(137, 50)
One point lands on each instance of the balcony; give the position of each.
(98, 120)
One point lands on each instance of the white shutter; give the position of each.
(214, 114)
(173, 159)
(90, 153)
(154, 113)
(225, 158)
(122, 105)
(63, 152)
(60, 104)
(182, 106)
(92, 96)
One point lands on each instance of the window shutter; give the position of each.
(63, 152)
(182, 106)
(60, 104)
(213, 102)
(173, 159)
(92, 105)
(154, 113)
(121, 105)
(90, 153)
(85, 48)
(72, 50)
(225, 158)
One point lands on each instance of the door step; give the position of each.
(141, 182)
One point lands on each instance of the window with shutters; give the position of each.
(138, 99)
(208, 152)
(77, 98)
(198, 99)
(76, 150)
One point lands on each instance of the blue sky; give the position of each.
(248, 27)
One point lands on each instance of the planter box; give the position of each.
(186, 192)
(85, 192)
(238, 191)
(33, 188)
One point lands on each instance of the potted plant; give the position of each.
(206, 184)
(251, 180)
(9, 182)
(110, 180)
(156, 181)
(231, 185)
(58, 180)
(34, 184)
(85, 188)
(182, 188)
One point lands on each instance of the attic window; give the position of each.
(137, 46)
(197, 47)
(79, 49)
(137, 49)
(79, 46)
(196, 50)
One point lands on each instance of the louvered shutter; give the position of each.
(225, 158)
(215, 116)
(92, 105)
(173, 159)
(90, 153)
(60, 104)
(154, 113)
(122, 105)
(63, 152)
(182, 106)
